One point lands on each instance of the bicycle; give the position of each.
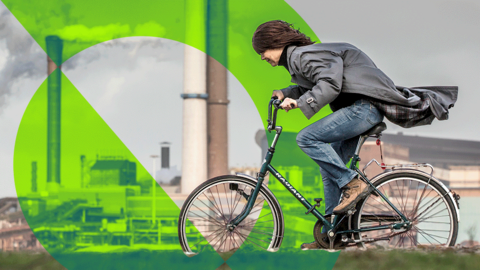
(401, 210)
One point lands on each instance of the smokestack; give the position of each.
(217, 114)
(194, 145)
(82, 171)
(34, 176)
(54, 52)
(165, 155)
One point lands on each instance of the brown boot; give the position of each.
(351, 194)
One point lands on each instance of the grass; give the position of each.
(371, 260)
(407, 260)
(28, 261)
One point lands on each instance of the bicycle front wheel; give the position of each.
(211, 206)
(423, 202)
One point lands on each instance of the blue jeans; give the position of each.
(331, 143)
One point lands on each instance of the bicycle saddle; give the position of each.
(376, 129)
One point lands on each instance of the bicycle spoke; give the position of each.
(214, 204)
(205, 238)
(223, 242)
(421, 207)
(420, 201)
(210, 208)
(235, 206)
(432, 216)
(220, 205)
(226, 197)
(249, 236)
(412, 239)
(250, 241)
(212, 218)
(435, 222)
(429, 233)
(424, 212)
(248, 223)
(393, 193)
(239, 199)
(401, 195)
(234, 241)
(251, 212)
(254, 221)
(422, 219)
(406, 198)
(384, 203)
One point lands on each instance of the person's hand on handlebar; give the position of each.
(278, 94)
(289, 104)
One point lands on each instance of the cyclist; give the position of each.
(359, 94)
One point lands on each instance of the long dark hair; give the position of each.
(277, 34)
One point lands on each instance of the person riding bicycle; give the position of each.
(358, 93)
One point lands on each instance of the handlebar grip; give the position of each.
(277, 103)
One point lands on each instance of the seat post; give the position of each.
(375, 131)
(361, 140)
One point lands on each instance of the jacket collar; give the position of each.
(290, 49)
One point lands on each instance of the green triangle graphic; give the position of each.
(82, 24)
(110, 215)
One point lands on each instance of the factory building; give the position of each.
(113, 172)
(456, 162)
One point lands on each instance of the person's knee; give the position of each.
(303, 139)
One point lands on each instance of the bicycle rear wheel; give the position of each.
(424, 202)
(211, 206)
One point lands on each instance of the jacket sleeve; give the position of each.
(293, 91)
(325, 70)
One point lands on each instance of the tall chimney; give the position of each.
(54, 52)
(34, 176)
(165, 154)
(217, 114)
(82, 171)
(194, 145)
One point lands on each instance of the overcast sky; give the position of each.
(133, 83)
(414, 42)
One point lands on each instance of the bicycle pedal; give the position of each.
(317, 200)
(346, 239)
(351, 212)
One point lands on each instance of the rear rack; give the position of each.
(398, 166)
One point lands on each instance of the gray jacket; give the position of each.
(323, 70)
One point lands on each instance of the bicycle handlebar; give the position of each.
(276, 103)
(272, 122)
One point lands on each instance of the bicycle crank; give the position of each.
(323, 240)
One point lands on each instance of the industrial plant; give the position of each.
(112, 206)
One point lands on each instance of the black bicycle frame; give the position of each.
(267, 167)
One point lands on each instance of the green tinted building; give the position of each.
(113, 172)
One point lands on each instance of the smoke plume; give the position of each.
(24, 58)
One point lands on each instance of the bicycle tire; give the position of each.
(432, 226)
(217, 201)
